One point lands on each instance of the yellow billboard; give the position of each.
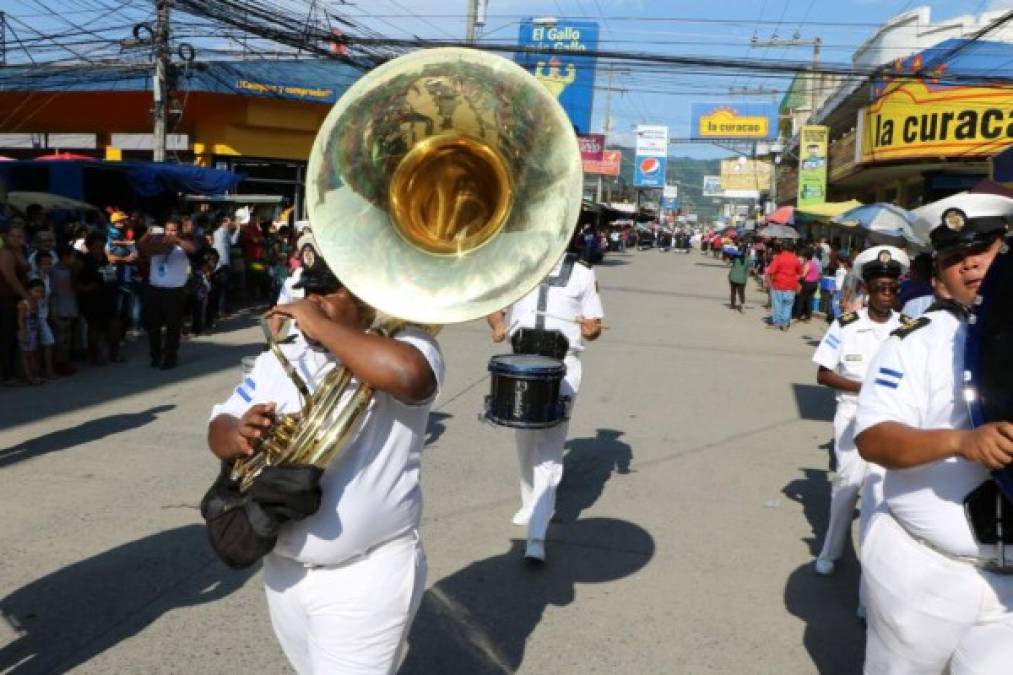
(913, 120)
(744, 175)
(741, 120)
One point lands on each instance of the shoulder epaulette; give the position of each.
(847, 318)
(909, 325)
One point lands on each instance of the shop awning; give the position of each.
(823, 211)
(153, 178)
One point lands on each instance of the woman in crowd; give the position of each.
(812, 271)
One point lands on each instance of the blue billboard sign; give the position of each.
(669, 203)
(649, 172)
(570, 76)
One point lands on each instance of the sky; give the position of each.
(721, 30)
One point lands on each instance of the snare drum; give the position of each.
(525, 391)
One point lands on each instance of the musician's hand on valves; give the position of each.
(990, 444)
(253, 426)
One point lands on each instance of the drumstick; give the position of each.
(563, 318)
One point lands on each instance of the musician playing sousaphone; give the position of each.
(552, 321)
(343, 580)
(939, 587)
(431, 204)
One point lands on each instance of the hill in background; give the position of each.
(688, 174)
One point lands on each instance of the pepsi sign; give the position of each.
(649, 172)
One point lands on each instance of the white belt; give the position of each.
(358, 557)
(998, 565)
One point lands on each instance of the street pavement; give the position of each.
(694, 498)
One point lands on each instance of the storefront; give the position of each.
(922, 139)
(255, 117)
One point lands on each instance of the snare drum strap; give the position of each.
(559, 280)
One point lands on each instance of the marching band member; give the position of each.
(937, 601)
(567, 303)
(343, 584)
(842, 358)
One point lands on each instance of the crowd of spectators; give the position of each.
(72, 291)
(805, 277)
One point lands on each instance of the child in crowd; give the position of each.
(117, 242)
(43, 268)
(63, 309)
(28, 332)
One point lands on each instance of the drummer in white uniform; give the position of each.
(566, 301)
(842, 358)
(343, 584)
(938, 599)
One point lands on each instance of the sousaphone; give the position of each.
(443, 186)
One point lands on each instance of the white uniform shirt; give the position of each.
(169, 270)
(223, 240)
(288, 292)
(848, 350)
(371, 491)
(916, 380)
(579, 297)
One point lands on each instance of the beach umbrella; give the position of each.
(49, 202)
(64, 157)
(782, 216)
(777, 231)
(881, 218)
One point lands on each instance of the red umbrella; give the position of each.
(64, 156)
(783, 216)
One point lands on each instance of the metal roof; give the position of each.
(316, 80)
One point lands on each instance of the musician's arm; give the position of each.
(383, 363)
(497, 322)
(591, 310)
(829, 378)
(898, 446)
(891, 411)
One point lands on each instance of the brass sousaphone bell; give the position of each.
(443, 186)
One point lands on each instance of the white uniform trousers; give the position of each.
(349, 618)
(848, 479)
(540, 453)
(928, 614)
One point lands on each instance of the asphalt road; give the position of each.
(695, 492)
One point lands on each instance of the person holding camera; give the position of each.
(166, 293)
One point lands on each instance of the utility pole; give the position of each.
(160, 89)
(469, 35)
(796, 42)
(606, 127)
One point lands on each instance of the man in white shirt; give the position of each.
(166, 295)
(939, 599)
(566, 301)
(343, 584)
(225, 236)
(843, 356)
